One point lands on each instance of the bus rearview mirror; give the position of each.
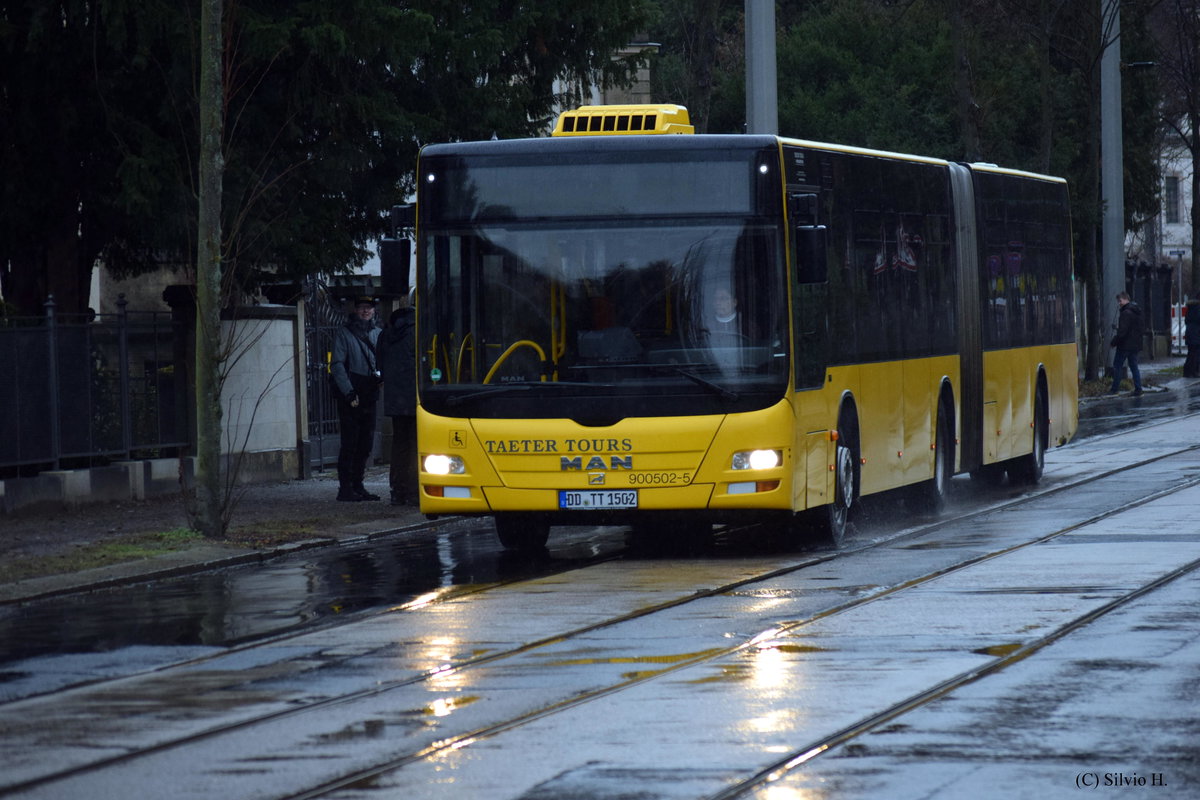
(395, 259)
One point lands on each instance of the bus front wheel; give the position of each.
(523, 532)
(829, 522)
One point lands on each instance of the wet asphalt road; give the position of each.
(221, 608)
(1020, 644)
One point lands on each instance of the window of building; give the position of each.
(1171, 199)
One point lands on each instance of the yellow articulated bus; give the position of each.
(667, 330)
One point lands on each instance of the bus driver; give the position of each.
(724, 326)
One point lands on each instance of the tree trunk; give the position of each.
(1045, 76)
(968, 114)
(208, 516)
(65, 277)
(703, 57)
(1190, 25)
(1194, 135)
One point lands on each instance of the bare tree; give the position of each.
(1075, 32)
(684, 72)
(966, 106)
(1177, 29)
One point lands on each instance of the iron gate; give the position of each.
(321, 321)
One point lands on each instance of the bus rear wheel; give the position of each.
(524, 532)
(930, 495)
(1027, 470)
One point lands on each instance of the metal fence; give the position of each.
(79, 390)
(322, 318)
(1150, 287)
(324, 431)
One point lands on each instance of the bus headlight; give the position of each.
(437, 464)
(757, 459)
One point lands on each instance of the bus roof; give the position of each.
(709, 141)
(981, 167)
(602, 144)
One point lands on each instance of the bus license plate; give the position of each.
(603, 500)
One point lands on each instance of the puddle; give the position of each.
(236, 605)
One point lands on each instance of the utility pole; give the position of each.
(207, 514)
(762, 92)
(1112, 187)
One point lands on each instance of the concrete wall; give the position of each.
(124, 480)
(259, 398)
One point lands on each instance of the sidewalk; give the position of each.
(1153, 375)
(268, 520)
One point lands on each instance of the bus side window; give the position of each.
(811, 258)
(811, 351)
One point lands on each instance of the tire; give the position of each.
(1027, 470)
(523, 532)
(828, 523)
(930, 496)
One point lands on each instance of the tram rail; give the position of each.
(515, 721)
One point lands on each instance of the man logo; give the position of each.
(566, 463)
(596, 479)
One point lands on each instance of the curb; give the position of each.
(190, 563)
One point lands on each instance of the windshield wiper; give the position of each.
(455, 399)
(726, 394)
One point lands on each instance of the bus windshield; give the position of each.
(615, 317)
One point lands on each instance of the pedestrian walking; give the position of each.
(397, 360)
(1191, 337)
(1127, 342)
(356, 382)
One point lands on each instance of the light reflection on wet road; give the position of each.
(230, 606)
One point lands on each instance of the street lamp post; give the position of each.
(1112, 190)
(762, 104)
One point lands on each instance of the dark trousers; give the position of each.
(1119, 369)
(358, 439)
(403, 474)
(1191, 365)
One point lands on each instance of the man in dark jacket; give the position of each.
(1191, 336)
(397, 359)
(1127, 342)
(356, 380)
